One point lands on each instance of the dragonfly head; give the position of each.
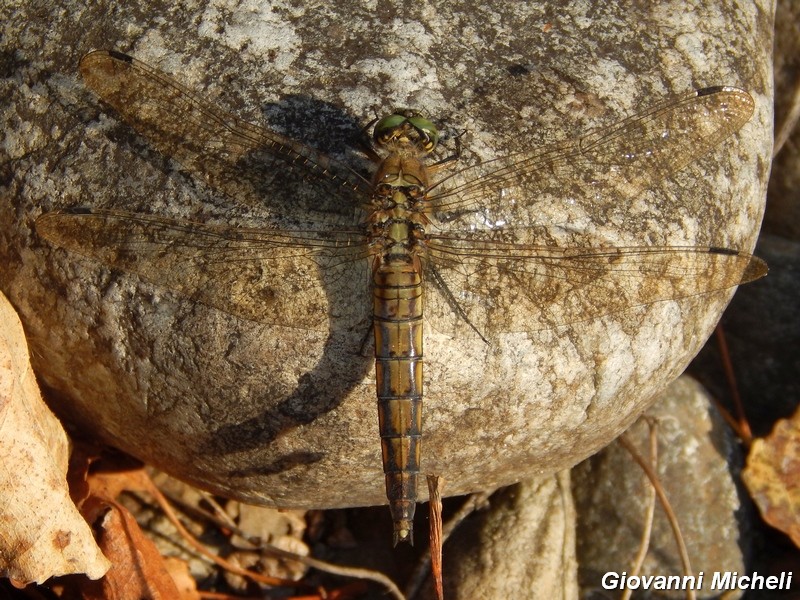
(406, 128)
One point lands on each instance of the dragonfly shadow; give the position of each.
(283, 246)
(317, 393)
(322, 126)
(340, 278)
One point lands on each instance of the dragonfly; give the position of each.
(464, 242)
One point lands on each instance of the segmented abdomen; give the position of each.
(397, 310)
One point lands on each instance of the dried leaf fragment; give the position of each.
(772, 476)
(42, 535)
(138, 570)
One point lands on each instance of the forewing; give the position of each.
(273, 277)
(251, 165)
(601, 169)
(508, 288)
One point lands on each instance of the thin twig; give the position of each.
(201, 549)
(320, 565)
(218, 510)
(473, 503)
(435, 531)
(327, 567)
(662, 496)
(743, 427)
(789, 123)
(647, 530)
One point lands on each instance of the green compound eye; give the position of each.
(422, 124)
(388, 123)
(407, 127)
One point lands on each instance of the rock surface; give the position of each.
(286, 417)
(521, 546)
(697, 458)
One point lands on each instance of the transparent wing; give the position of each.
(495, 286)
(275, 277)
(253, 166)
(601, 169)
(503, 287)
(494, 266)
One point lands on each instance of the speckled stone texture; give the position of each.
(696, 459)
(284, 416)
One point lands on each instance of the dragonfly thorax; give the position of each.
(397, 233)
(397, 224)
(398, 171)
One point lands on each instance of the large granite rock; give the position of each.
(284, 416)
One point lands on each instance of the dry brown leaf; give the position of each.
(179, 571)
(138, 570)
(107, 484)
(41, 532)
(772, 476)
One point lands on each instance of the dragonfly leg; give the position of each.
(451, 299)
(365, 142)
(448, 162)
